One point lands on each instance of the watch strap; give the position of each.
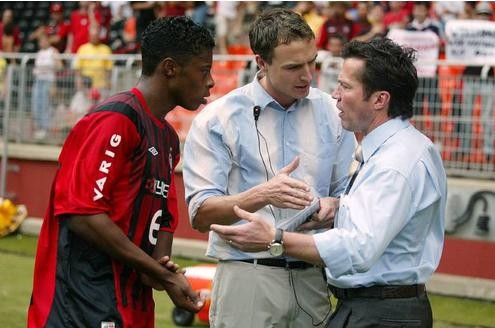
(279, 236)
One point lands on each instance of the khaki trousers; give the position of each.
(246, 295)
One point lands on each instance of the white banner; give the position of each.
(470, 40)
(426, 43)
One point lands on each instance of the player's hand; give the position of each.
(171, 265)
(180, 292)
(283, 191)
(167, 263)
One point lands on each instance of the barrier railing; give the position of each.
(455, 111)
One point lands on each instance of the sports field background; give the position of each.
(16, 267)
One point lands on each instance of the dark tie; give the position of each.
(358, 156)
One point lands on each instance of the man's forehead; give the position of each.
(203, 58)
(299, 51)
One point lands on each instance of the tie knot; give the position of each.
(358, 154)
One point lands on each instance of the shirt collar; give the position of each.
(380, 134)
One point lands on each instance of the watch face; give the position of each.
(276, 249)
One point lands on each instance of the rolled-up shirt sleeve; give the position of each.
(368, 220)
(206, 163)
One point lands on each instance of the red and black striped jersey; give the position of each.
(119, 160)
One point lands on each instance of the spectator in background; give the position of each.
(45, 67)
(308, 10)
(446, 10)
(80, 22)
(145, 13)
(119, 9)
(81, 103)
(228, 22)
(421, 19)
(428, 85)
(469, 11)
(378, 28)
(478, 80)
(331, 62)
(397, 16)
(199, 11)
(57, 28)
(129, 35)
(123, 32)
(337, 23)
(335, 45)
(360, 23)
(105, 12)
(10, 40)
(8, 37)
(98, 69)
(173, 8)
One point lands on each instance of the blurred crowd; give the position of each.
(120, 23)
(114, 27)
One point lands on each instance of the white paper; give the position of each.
(292, 223)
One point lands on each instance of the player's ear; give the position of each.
(169, 67)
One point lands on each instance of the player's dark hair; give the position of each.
(177, 37)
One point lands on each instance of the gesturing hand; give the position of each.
(284, 191)
(253, 236)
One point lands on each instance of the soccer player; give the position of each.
(112, 213)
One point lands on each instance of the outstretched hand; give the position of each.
(253, 236)
(284, 191)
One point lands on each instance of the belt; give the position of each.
(280, 263)
(392, 291)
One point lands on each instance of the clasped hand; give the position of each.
(177, 286)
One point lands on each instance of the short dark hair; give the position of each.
(388, 67)
(176, 37)
(274, 27)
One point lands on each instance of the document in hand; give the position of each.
(292, 223)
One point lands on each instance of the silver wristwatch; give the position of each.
(276, 247)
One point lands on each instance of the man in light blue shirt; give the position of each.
(389, 230)
(271, 146)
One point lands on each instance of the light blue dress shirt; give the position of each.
(222, 153)
(390, 227)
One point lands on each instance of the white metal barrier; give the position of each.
(456, 112)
